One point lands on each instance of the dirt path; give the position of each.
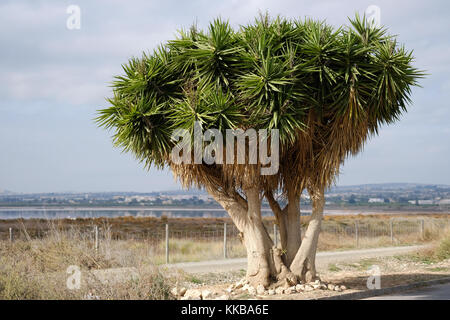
(322, 261)
(397, 266)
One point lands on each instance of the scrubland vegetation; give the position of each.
(34, 267)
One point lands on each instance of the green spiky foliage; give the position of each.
(326, 90)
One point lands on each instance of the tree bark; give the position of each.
(288, 220)
(260, 264)
(294, 238)
(280, 217)
(246, 215)
(303, 264)
(264, 262)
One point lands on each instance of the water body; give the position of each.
(113, 212)
(73, 213)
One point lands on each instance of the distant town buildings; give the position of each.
(367, 195)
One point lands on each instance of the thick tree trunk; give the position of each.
(280, 216)
(260, 263)
(303, 264)
(294, 238)
(288, 220)
(264, 262)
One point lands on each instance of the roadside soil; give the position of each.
(395, 270)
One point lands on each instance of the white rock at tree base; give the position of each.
(192, 294)
(206, 294)
(289, 290)
(279, 290)
(271, 292)
(308, 288)
(240, 284)
(251, 290)
(260, 289)
(343, 288)
(174, 291)
(330, 286)
(178, 292)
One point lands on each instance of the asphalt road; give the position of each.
(437, 292)
(323, 259)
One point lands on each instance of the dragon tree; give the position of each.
(324, 91)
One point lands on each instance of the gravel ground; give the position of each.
(400, 269)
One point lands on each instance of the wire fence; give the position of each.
(222, 241)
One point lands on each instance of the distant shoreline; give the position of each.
(115, 208)
(331, 211)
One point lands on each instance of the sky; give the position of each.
(53, 79)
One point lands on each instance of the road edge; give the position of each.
(384, 291)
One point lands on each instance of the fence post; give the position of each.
(96, 237)
(225, 240)
(391, 225)
(422, 229)
(11, 235)
(357, 234)
(275, 235)
(167, 243)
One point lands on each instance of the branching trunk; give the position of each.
(280, 216)
(266, 265)
(288, 220)
(303, 264)
(264, 262)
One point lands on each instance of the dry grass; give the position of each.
(439, 251)
(36, 269)
(339, 234)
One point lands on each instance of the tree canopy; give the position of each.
(326, 91)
